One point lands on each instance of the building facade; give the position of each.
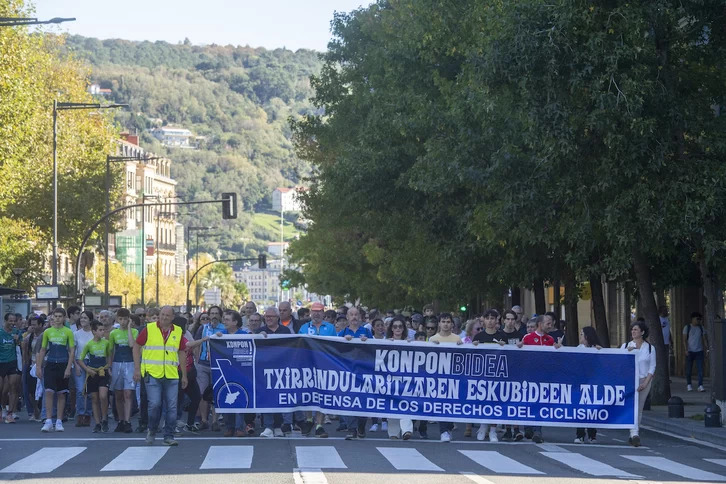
(148, 235)
(286, 199)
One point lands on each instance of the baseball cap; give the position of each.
(317, 306)
(417, 318)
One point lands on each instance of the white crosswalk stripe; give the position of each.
(587, 465)
(667, 465)
(721, 462)
(496, 462)
(136, 459)
(407, 459)
(218, 457)
(319, 457)
(45, 460)
(312, 462)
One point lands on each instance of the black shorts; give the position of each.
(94, 382)
(8, 368)
(53, 377)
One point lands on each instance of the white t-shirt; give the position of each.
(644, 358)
(81, 338)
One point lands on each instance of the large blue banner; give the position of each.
(565, 387)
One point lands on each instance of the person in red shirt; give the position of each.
(538, 337)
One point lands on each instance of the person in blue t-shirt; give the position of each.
(235, 423)
(356, 425)
(316, 326)
(204, 372)
(354, 329)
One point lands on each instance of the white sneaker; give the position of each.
(59, 426)
(384, 426)
(690, 388)
(579, 440)
(327, 420)
(47, 426)
(445, 437)
(279, 433)
(492, 435)
(701, 389)
(267, 433)
(374, 428)
(481, 434)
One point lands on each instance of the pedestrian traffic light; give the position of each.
(262, 261)
(286, 284)
(462, 308)
(229, 205)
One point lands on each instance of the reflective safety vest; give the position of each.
(161, 359)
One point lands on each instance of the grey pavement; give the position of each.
(77, 455)
(692, 425)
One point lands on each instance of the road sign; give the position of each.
(213, 296)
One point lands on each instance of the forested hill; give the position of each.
(238, 98)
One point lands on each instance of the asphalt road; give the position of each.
(77, 455)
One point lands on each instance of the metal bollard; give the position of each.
(712, 415)
(675, 407)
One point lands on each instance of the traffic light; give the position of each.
(286, 284)
(462, 308)
(262, 261)
(229, 205)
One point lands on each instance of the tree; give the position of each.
(33, 73)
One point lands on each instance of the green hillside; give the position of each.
(238, 98)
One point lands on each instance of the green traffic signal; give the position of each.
(462, 308)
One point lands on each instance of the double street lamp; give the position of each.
(63, 106)
(18, 21)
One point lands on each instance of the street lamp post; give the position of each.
(126, 298)
(18, 271)
(63, 106)
(114, 159)
(144, 197)
(188, 241)
(17, 21)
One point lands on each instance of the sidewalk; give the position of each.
(691, 425)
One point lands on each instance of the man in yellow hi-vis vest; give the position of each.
(158, 350)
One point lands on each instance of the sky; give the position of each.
(293, 24)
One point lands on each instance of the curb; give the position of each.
(686, 427)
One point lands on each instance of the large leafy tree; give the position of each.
(33, 73)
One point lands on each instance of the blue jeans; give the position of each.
(268, 419)
(83, 405)
(156, 389)
(234, 421)
(696, 356)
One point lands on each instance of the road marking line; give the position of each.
(309, 476)
(552, 448)
(407, 459)
(587, 465)
(218, 457)
(476, 478)
(721, 462)
(318, 457)
(690, 440)
(496, 462)
(667, 465)
(136, 459)
(45, 460)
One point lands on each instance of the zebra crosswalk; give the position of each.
(310, 463)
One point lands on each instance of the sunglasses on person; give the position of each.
(477, 329)
(397, 326)
(430, 328)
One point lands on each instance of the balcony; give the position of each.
(167, 247)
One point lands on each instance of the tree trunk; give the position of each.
(572, 331)
(598, 306)
(539, 297)
(556, 290)
(516, 296)
(660, 391)
(713, 308)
